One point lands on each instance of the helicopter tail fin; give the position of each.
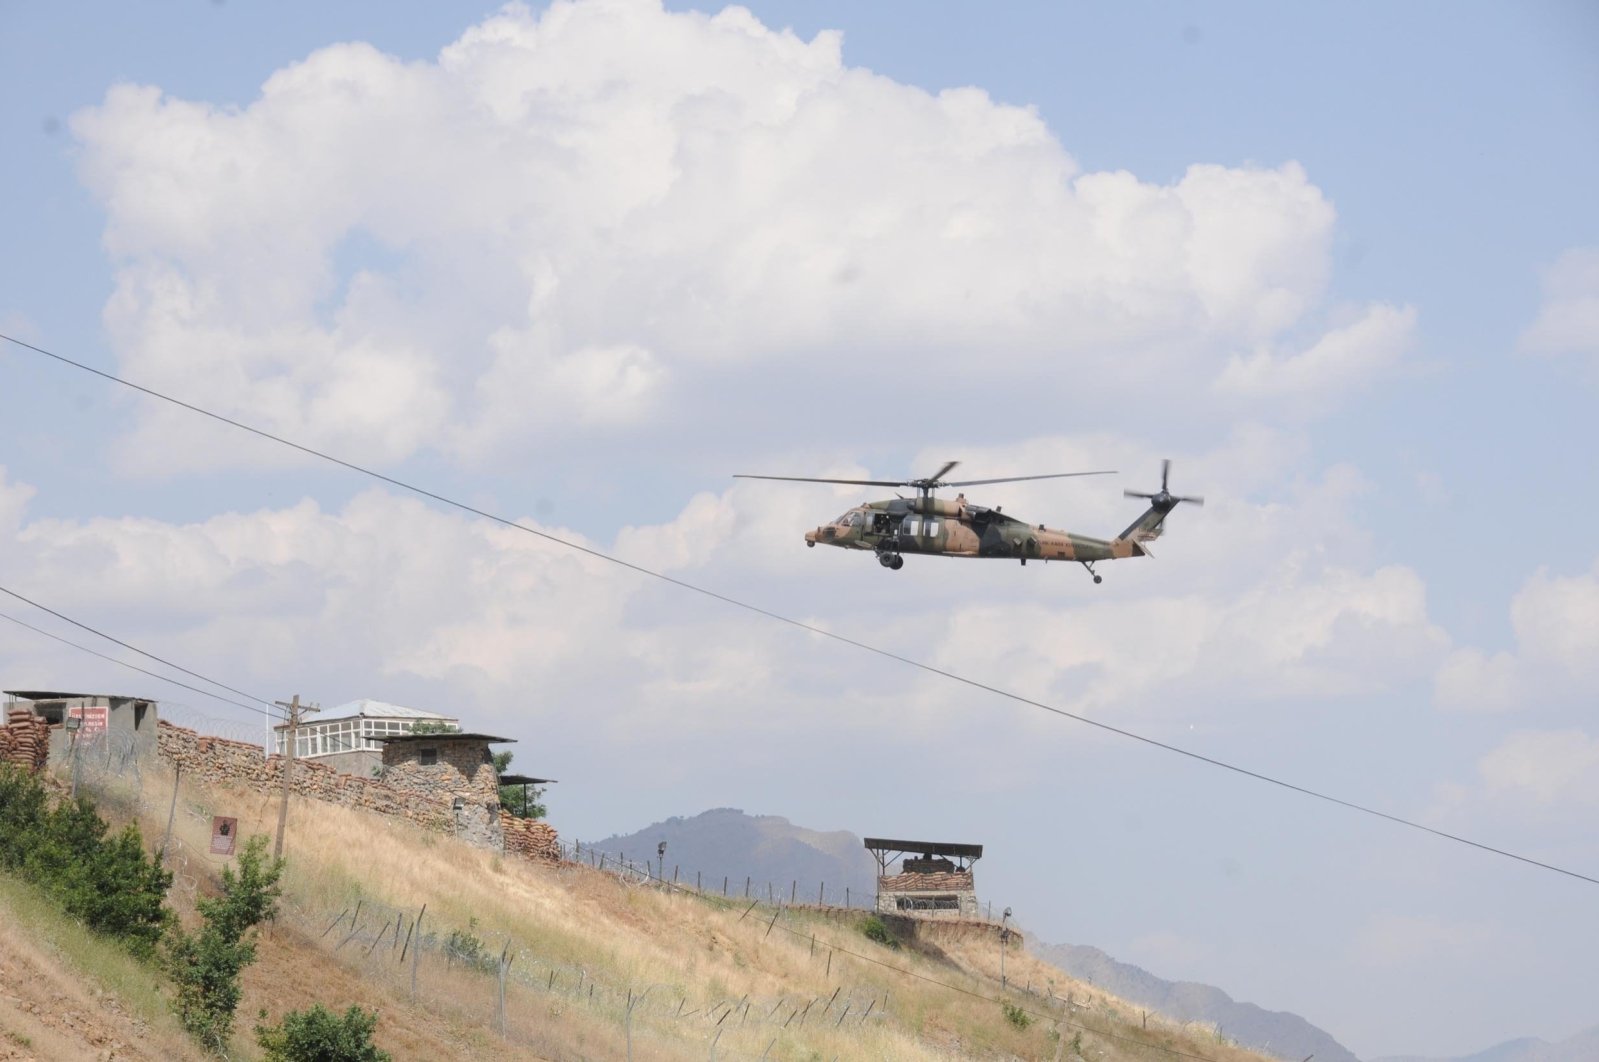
(1147, 528)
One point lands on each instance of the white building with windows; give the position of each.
(349, 738)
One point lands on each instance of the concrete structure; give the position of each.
(935, 877)
(348, 738)
(111, 723)
(455, 767)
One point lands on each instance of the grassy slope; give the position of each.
(585, 941)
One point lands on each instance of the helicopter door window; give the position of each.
(911, 526)
(929, 528)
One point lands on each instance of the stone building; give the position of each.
(455, 767)
(120, 725)
(934, 880)
(347, 738)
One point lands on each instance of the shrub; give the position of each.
(319, 1035)
(876, 929)
(1017, 1016)
(108, 882)
(206, 965)
(466, 947)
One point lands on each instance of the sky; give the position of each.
(578, 264)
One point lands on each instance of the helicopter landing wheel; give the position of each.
(1088, 566)
(897, 564)
(1099, 578)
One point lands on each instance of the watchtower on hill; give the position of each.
(934, 878)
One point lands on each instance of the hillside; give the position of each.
(596, 959)
(1280, 1033)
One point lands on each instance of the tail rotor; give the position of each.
(1164, 500)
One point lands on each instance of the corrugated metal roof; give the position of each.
(372, 709)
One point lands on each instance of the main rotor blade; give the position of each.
(813, 479)
(941, 473)
(1018, 479)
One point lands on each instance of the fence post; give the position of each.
(505, 967)
(417, 925)
(697, 887)
(793, 891)
(846, 896)
(724, 884)
(177, 777)
(821, 892)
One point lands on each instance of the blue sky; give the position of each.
(1374, 350)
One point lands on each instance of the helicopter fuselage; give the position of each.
(956, 528)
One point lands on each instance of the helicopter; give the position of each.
(958, 528)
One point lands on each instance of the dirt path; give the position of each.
(49, 1013)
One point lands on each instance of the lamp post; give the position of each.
(1004, 943)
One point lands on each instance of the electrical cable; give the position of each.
(125, 645)
(136, 667)
(800, 624)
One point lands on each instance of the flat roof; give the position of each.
(931, 848)
(453, 735)
(522, 779)
(53, 695)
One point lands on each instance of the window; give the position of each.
(427, 757)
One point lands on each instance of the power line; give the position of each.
(134, 667)
(802, 625)
(136, 649)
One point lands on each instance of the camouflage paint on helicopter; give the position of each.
(942, 527)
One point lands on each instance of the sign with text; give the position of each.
(95, 719)
(224, 832)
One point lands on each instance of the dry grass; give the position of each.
(588, 940)
(68, 993)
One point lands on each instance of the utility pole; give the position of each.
(295, 708)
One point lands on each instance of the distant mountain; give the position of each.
(1277, 1033)
(768, 850)
(1583, 1047)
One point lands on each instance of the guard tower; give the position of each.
(934, 880)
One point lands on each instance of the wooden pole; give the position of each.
(172, 811)
(295, 708)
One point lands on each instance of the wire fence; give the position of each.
(527, 995)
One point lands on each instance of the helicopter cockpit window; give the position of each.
(851, 518)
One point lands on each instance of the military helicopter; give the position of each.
(958, 528)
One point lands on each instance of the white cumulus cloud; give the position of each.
(591, 218)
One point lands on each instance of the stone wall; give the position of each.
(530, 838)
(25, 740)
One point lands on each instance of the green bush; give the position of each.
(106, 881)
(1017, 1016)
(876, 929)
(319, 1035)
(206, 965)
